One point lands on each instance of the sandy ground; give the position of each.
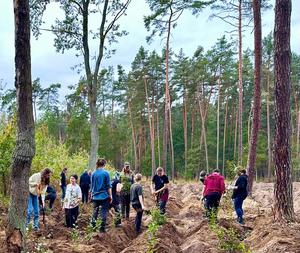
(186, 229)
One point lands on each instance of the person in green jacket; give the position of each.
(127, 179)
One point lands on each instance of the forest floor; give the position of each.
(186, 229)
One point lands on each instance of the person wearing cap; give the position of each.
(71, 202)
(115, 189)
(127, 179)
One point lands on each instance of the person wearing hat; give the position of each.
(71, 202)
(115, 189)
(127, 179)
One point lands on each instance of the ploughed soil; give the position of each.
(186, 229)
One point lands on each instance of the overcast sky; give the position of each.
(52, 67)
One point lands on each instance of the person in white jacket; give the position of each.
(71, 202)
(38, 184)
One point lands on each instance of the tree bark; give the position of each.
(151, 130)
(224, 138)
(133, 134)
(240, 82)
(25, 146)
(185, 133)
(268, 129)
(283, 189)
(257, 92)
(218, 121)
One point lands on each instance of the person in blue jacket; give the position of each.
(240, 193)
(100, 193)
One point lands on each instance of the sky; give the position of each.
(191, 32)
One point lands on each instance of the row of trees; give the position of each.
(203, 102)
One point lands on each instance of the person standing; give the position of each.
(127, 179)
(159, 188)
(38, 184)
(85, 182)
(116, 188)
(214, 188)
(240, 193)
(63, 183)
(101, 193)
(137, 201)
(71, 202)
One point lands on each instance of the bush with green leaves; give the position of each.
(157, 220)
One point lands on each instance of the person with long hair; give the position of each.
(38, 184)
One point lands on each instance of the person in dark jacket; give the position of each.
(115, 189)
(85, 182)
(240, 194)
(63, 183)
(50, 195)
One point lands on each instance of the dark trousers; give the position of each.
(238, 206)
(50, 197)
(161, 204)
(104, 204)
(63, 192)
(125, 205)
(85, 193)
(212, 201)
(71, 216)
(138, 217)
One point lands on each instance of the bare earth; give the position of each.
(185, 231)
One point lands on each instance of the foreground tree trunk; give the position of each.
(25, 147)
(257, 93)
(240, 86)
(283, 189)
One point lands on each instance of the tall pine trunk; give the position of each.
(240, 86)
(133, 134)
(185, 133)
(224, 138)
(269, 129)
(283, 190)
(25, 145)
(151, 130)
(257, 92)
(218, 121)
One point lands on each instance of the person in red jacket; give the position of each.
(214, 188)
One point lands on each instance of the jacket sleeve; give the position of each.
(222, 184)
(241, 183)
(34, 180)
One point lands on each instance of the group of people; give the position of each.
(214, 188)
(120, 193)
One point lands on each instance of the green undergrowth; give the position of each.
(157, 220)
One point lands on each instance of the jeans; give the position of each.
(63, 192)
(71, 216)
(211, 204)
(33, 207)
(85, 193)
(125, 205)
(104, 210)
(238, 206)
(138, 217)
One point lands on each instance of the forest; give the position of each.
(225, 107)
